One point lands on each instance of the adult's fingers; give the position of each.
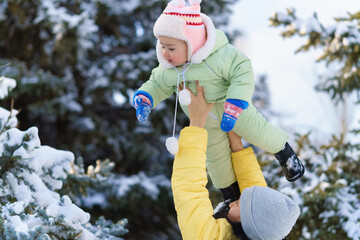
(200, 91)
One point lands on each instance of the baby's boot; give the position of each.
(294, 169)
(231, 192)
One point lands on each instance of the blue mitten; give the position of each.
(233, 108)
(142, 102)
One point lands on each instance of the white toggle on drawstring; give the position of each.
(172, 144)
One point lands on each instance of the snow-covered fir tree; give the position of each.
(77, 64)
(30, 178)
(329, 191)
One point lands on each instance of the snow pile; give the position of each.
(30, 174)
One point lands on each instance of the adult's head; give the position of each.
(263, 213)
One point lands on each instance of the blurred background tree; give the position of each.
(329, 191)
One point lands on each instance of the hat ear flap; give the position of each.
(177, 3)
(194, 2)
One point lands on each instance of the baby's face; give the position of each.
(174, 50)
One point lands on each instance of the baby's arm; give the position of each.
(241, 79)
(150, 94)
(240, 75)
(157, 87)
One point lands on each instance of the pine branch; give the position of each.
(77, 236)
(37, 234)
(9, 163)
(10, 232)
(9, 118)
(7, 64)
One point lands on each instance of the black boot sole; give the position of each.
(296, 177)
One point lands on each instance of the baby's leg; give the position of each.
(255, 129)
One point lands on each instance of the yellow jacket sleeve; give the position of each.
(247, 169)
(191, 198)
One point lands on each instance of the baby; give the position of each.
(189, 49)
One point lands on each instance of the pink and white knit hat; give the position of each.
(183, 23)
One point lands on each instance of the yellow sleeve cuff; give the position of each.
(193, 137)
(245, 153)
(247, 169)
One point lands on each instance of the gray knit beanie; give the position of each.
(267, 214)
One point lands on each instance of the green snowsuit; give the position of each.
(224, 73)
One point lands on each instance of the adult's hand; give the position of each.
(198, 108)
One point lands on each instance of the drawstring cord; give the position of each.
(172, 144)
(185, 68)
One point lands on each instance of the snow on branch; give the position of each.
(6, 85)
(339, 43)
(63, 20)
(30, 175)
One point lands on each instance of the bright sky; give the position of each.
(292, 77)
